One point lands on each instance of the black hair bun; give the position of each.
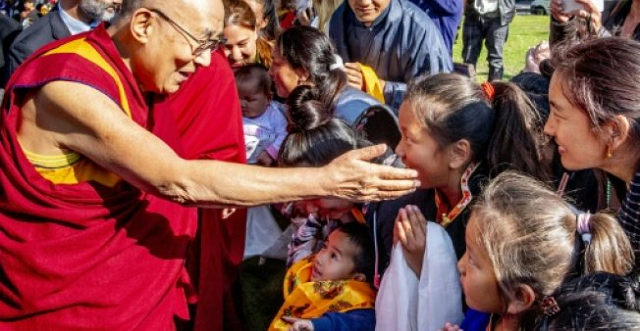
(305, 110)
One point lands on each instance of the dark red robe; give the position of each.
(209, 120)
(85, 255)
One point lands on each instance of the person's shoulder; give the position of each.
(276, 111)
(350, 96)
(35, 36)
(388, 209)
(336, 22)
(417, 17)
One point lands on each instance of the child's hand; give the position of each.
(298, 324)
(265, 159)
(450, 327)
(411, 231)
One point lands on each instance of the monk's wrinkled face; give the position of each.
(178, 40)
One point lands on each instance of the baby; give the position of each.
(265, 126)
(332, 287)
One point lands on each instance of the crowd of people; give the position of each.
(142, 141)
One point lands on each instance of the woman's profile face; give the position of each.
(240, 47)
(284, 76)
(579, 145)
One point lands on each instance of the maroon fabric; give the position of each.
(209, 119)
(85, 256)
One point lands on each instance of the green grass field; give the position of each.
(525, 31)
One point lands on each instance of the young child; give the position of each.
(334, 280)
(315, 139)
(523, 241)
(265, 126)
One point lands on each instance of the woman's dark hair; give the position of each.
(256, 72)
(600, 301)
(505, 133)
(315, 137)
(360, 235)
(600, 77)
(272, 30)
(238, 13)
(307, 48)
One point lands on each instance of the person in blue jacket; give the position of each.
(395, 38)
(446, 15)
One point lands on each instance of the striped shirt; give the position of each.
(629, 213)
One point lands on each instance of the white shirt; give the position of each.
(265, 132)
(74, 25)
(486, 6)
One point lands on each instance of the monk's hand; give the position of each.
(411, 231)
(351, 176)
(298, 324)
(354, 75)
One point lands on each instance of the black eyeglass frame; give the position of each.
(203, 44)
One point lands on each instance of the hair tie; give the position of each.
(488, 90)
(338, 64)
(549, 306)
(583, 226)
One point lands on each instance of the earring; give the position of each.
(609, 152)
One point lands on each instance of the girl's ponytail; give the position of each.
(517, 135)
(607, 239)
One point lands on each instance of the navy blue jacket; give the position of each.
(401, 44)
(45, 30)
(353, 320)
(446, 15)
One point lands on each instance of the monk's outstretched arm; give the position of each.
(84, 120)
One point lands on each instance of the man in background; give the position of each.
(487, 20)
(68, 18)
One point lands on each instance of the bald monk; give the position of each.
(93, 219)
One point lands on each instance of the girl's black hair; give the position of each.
(257, 72)
(360, 235)
(600, 301)
(536, 86)
(504, 131)
(307, 48)
(315, 136)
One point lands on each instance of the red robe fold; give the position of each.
(85, 256)
(209, 119)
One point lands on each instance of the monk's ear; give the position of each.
(141, 25)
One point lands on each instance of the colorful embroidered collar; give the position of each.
(445, 219)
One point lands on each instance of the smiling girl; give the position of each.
(523, 241)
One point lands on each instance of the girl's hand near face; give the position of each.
(411, 231)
